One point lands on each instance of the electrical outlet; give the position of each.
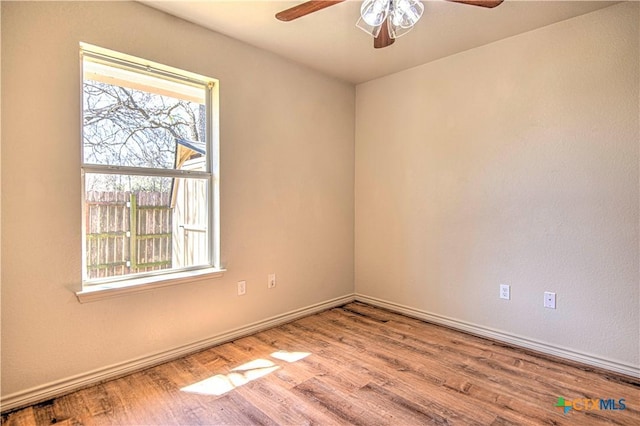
(505, 291)
(242, 288)
(271, 281)
(549, 300)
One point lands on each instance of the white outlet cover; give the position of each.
(549, 300)
(505, 291)
(242, 288)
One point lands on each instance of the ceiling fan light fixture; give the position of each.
(401, 16)
(374, 12)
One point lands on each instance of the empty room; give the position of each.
(392, 212)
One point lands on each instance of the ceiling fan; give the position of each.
(385, 20)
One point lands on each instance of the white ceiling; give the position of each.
(329, 41)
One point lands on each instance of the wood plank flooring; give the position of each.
(355, 365)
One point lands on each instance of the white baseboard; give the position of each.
(70, 384)
(511, 339)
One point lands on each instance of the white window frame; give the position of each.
(95, 289)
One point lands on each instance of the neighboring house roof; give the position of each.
(197, 146)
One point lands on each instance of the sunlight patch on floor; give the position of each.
(222, 383)
(290, 356)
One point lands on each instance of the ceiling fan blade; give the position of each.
(383, 39)
(483, 3)
(305, 8)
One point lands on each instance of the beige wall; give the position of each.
(515, 163)
(287, 191)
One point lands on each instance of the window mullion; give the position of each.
(144, 171)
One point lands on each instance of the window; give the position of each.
(149, 172)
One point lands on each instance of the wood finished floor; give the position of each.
(365, 366)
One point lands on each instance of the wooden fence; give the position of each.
(127, 232)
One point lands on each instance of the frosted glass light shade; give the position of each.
(396, 31)
(372, 30)
(374, 12)
(406, 13)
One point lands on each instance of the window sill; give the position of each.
(137, 285)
